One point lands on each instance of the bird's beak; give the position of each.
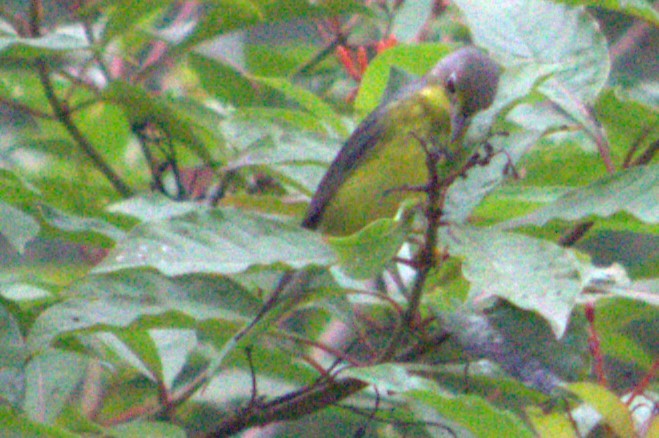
(459, 124)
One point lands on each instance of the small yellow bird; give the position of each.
(383, 153)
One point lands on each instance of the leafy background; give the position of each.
(156, 159)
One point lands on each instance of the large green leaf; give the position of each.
(390, 378)
(223, 81)
(541, 32)
(51, 378)
(119, 300)
(474, 414)
(80, 229)
(153, 206)
(12, 353)
(638, 8)
(305, 99)
(225, 16)
(614, 412)
(222, 241)
(634, 190)
(533, 274)
(159, 354)
(365, 254)
(629, 125)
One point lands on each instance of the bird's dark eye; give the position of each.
(450, 83)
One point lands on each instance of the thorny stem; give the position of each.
(426, 258)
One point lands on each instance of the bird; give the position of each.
(383, 153)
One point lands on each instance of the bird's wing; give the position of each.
(362, 140)
(367, 135)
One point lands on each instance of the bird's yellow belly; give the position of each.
(369, 193)
(397, 160)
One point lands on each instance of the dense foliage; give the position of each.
(151, 189)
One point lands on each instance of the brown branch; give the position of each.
(330, 390)
(426, 258)
(575, 234)
(63, 114)
(323, 53)
(647, 155)
(290, 406)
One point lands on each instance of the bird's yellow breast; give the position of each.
(397, 160)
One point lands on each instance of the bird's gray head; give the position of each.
(470, 79)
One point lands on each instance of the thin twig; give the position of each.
(64, 116)
(647, 155)
(326, 51)
(426, 258)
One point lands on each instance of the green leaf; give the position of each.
(645, 91)
(541, 32)
(17, 227)
(483, 382)
(12, 344)
(409, 18)
(85, 228)
(629, 125)
(365, 254)
(153, 206)
(138, 297)
(230, 15)
(283, 60)
(633, 190)
(416, 59)
(533, 274)
(142, 107)
(291, 154)
(389, 378)
(12, 424)
(554, 424)
(127, 14)
(128, 351)
(223, 81)
(15, 189)
(159, 354)
(638, 8)
(111, 141)
(147, 429)
(626, 328)
(473, 414)
(307, 100)
(173, 348)
(51, 44)
(51, 378)
(295, 289)
(222, 241)
(607, 404)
